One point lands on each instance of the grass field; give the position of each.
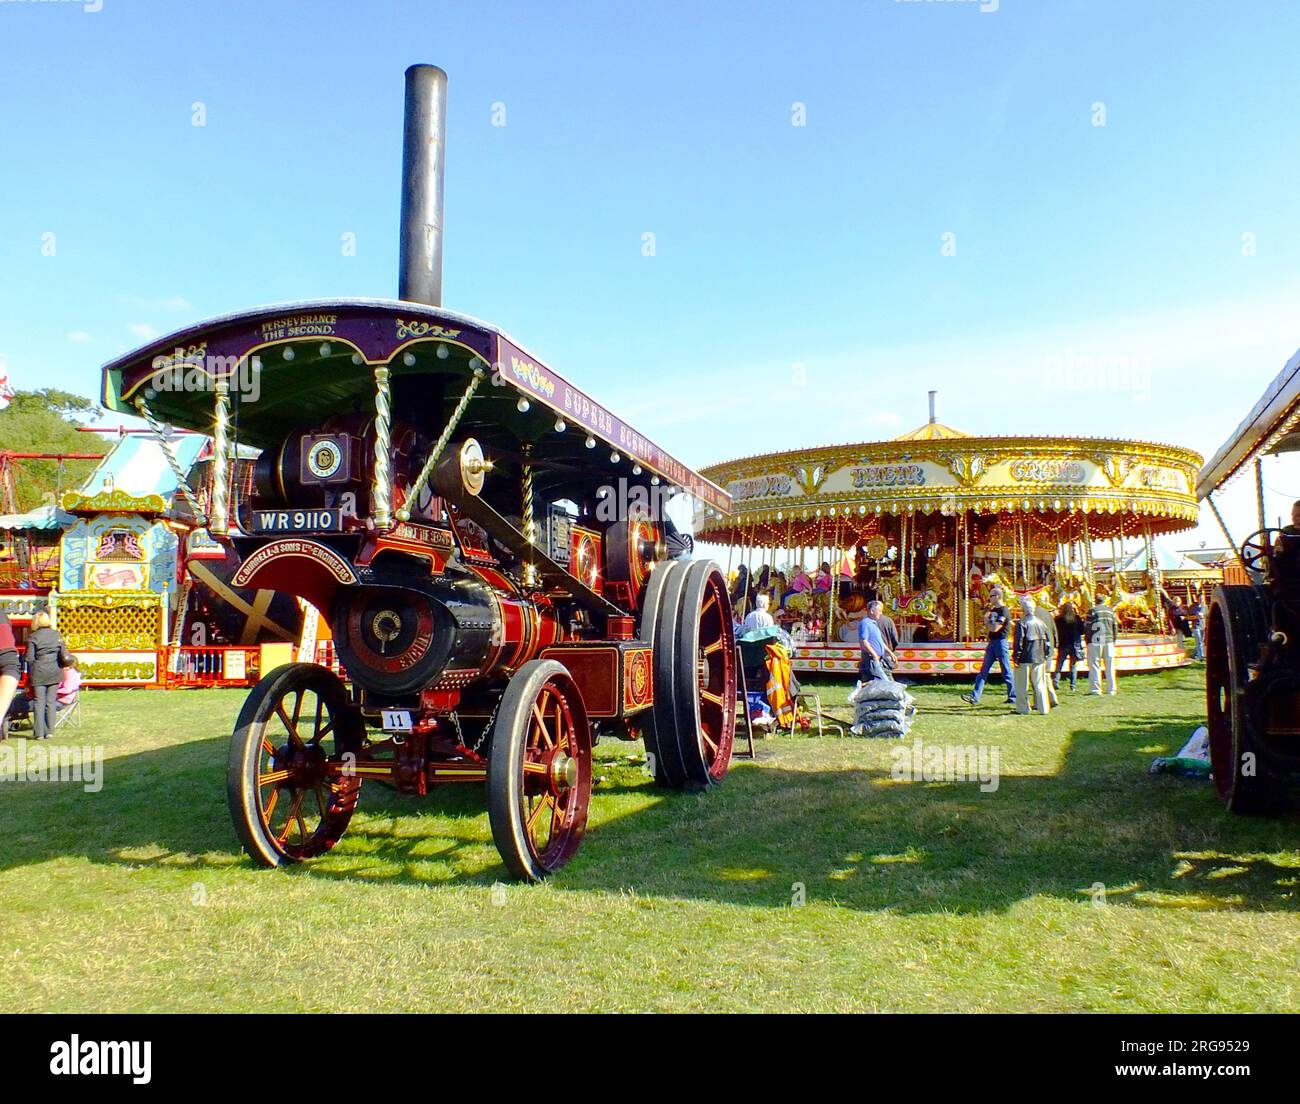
(918, 895)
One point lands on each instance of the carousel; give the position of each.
(930, 521)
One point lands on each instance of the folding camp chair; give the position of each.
(69, 717)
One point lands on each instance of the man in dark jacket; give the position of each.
(998, 622)
(1069, 642)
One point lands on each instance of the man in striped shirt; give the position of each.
(1103, 630)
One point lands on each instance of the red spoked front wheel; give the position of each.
(539, 772)
(287, 783)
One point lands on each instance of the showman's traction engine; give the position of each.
(487, 543)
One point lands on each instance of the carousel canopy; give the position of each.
(1070, 485)
(44, 517)
(137, 466)
(1272, 426)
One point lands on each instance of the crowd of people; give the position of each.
(1033, 647)
(1031, 652)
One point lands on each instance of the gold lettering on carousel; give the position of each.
(1048, 471)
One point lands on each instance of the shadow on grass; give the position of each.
(854, 836)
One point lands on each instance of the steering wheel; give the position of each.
(1257, 549)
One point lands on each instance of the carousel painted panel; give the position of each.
(124, 667)
(1147, 653)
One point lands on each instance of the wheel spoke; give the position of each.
(557, 820)
(541, 726)
(271, 777)
(546, 799)
(294, 813)
(291, 727)
(269, 807)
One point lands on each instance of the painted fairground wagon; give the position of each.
(1252, 639)
(487, 543)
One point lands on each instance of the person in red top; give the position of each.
(9, 669)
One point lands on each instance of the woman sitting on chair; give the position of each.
(70, 685)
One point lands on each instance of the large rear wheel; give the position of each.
(705, 691)
(1238, 627)
(658, 628)
(287, 782)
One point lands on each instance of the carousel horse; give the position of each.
(1135, 609)
(1073, 587)
(922, 604)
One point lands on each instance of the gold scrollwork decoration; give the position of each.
(420, 328)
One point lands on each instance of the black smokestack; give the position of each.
(424, 147)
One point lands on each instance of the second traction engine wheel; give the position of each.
(539, 770)
(1238, 626)
(694, 678)
(656, 626)
(287, 785)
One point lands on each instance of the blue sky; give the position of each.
(799, 291)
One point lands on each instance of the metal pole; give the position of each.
(219, 526)
(1259, 490)
(424, 146)
(382, 507)
(529, 520)
(1232, 544)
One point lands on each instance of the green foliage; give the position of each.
(46, 421)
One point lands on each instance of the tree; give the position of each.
(46, 421)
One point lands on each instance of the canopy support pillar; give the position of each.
(1232, 544)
